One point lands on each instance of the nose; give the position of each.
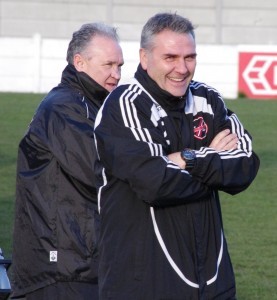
(116, 72)
(181, 66)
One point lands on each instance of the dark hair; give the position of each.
(85, 34)
(161, 22)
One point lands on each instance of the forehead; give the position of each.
(101, 39)
(102, 45)
(171, 42)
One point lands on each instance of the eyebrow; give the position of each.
(176, 55)
(108, 62)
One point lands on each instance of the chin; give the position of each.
(110, 89)
(178, 94)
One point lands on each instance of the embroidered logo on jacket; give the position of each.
(53, 256)
(200, 128)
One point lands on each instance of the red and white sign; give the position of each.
(258, 75)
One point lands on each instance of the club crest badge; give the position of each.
(53, 256)
(200, 128)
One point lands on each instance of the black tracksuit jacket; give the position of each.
(55, 228)
(161, 231)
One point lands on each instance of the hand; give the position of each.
(177, 159)
(224, 140)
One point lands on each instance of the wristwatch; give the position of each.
(189, 156)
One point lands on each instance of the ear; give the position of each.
(143, 58)
(79, 62)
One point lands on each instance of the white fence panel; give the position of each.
(35, 64)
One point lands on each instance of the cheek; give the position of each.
(102, 75)
(192, 67)
(157, 71)
(91, 71)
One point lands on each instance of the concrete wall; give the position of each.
(35, 64)
(218, 21)
(34, 35)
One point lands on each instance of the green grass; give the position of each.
(15, 115)
(249, 218)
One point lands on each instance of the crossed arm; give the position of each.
(224, 140)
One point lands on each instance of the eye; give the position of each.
(170, 58)
(108, 64)
(190, 58)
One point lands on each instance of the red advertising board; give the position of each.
(258, 75)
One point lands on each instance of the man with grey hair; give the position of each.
(55, 236)
(166, 145)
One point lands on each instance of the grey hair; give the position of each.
(82, 37)
(161, 22)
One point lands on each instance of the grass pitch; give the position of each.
(249, 218)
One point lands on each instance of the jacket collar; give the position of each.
(84, 84)
(165, 99)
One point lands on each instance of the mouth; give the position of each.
(111, 86)
(174, 79)
(177, 84)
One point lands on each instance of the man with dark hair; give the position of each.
(56, 220)
(167, 144)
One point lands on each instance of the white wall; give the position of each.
(35, 64)
(217, 21)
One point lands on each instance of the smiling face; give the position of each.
(171, 61)
(101, 60)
